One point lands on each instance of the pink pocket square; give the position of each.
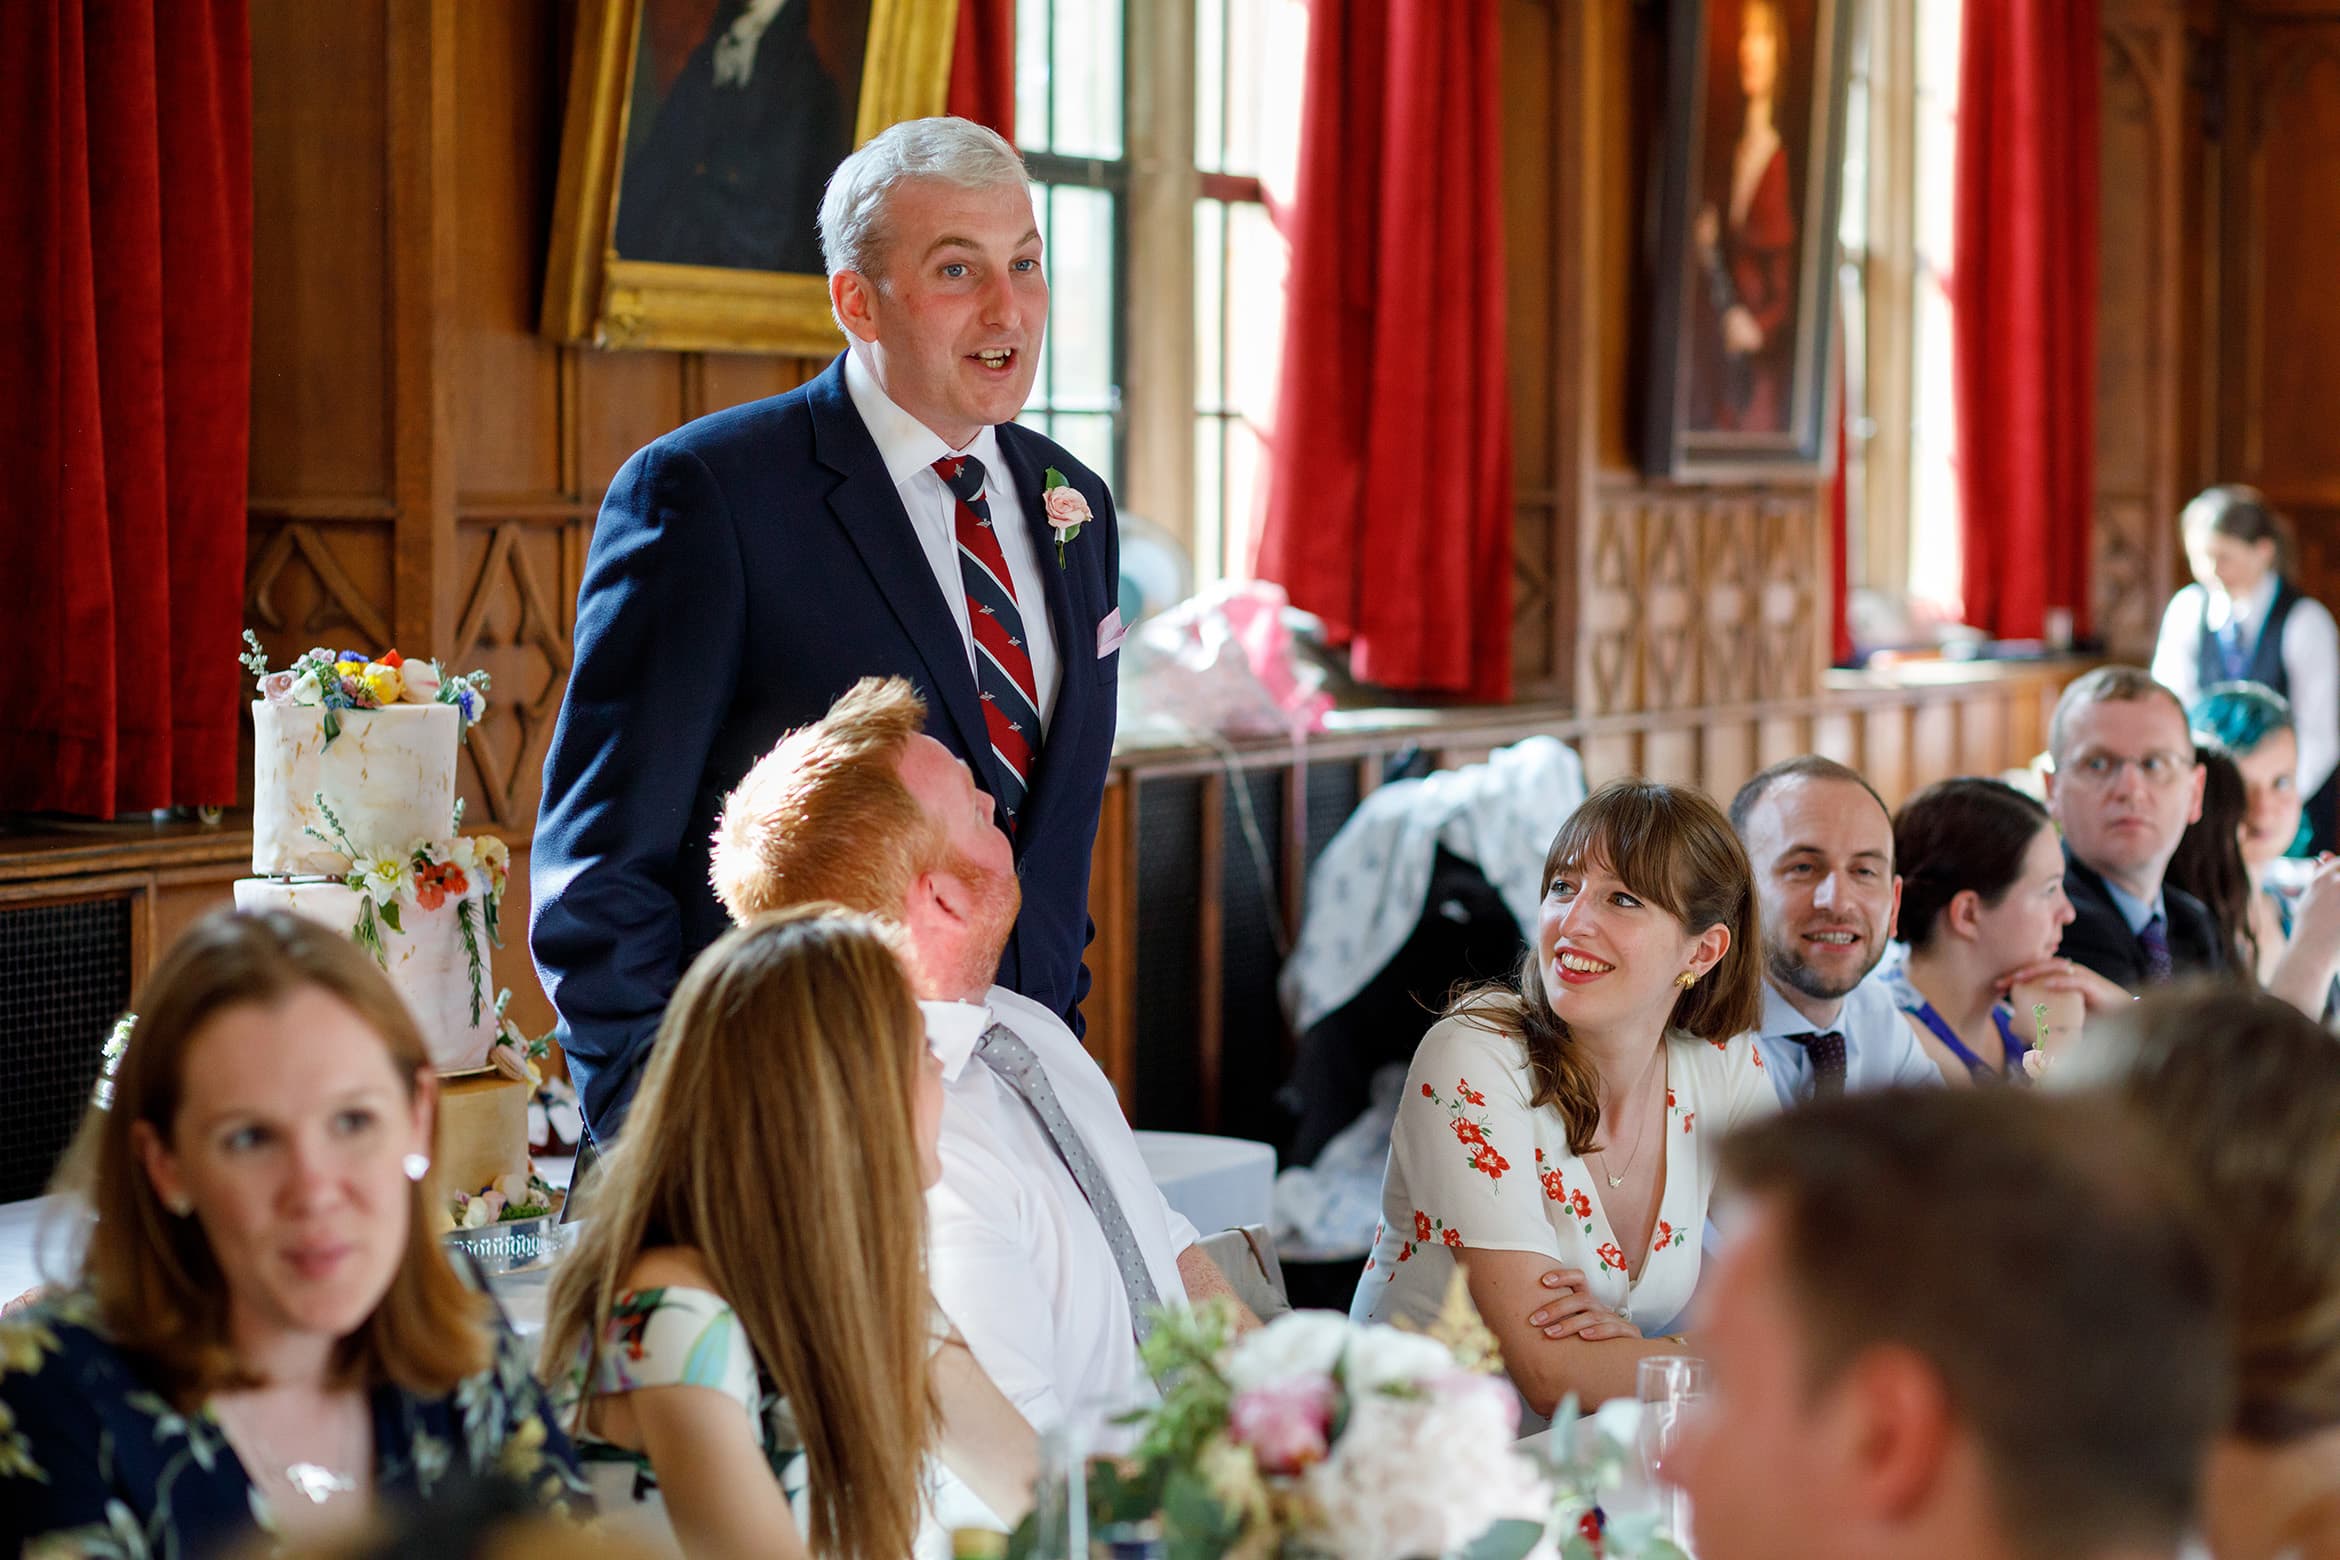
(1110, 633)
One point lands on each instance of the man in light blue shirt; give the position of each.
(1821, 842)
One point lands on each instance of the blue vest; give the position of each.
(2262, 662)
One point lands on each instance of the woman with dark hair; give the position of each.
(1982, 909)
(264, 1335)
(2209, 861)
(1570, 1119)
(2242, 1091)
(2242, 620)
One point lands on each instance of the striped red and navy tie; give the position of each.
(1003, 664)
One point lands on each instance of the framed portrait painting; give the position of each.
(697, 139)
(1750, 178)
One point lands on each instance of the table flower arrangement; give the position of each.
(1316, 1437)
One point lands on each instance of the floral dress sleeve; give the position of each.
(497, 1424)
(1466, 1144)
(1747, 1094)
(49, 1435)
(93, 1462)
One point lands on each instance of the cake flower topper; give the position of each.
(428, 873)
(1066, 510)
(352, 680)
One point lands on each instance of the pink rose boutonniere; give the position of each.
(1067, 511)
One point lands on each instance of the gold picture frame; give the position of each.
(595, 296)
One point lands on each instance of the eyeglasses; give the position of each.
(2102, 771)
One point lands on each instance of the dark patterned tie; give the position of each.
(2234, 651)
(2154, 939)
(1826, 1051)
(1013, 1061)
(1003, 664)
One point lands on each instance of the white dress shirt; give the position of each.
(2311, 664)
(1016, 1256)
(910, 449)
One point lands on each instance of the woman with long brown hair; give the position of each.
(760, 1231)
(263, 1331)
(1567, 1121)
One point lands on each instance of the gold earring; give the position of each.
(1686, 979)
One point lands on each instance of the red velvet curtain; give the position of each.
(1388, 509)
(983, 65)
(2023, 305)
(127, 299)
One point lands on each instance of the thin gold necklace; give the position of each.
(1619, 1178)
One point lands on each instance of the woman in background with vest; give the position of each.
(2244, 621)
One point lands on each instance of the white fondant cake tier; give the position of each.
(389, 777)
(427, 959)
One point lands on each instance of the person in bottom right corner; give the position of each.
(2242, 1092)
(1954, 1324)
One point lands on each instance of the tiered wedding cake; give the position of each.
(354, 822)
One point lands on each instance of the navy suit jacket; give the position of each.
(2099, 935)
(746, 570)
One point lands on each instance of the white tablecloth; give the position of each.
(1217, 1182)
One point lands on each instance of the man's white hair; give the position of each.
(955, 151)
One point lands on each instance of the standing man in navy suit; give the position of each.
(887, 518)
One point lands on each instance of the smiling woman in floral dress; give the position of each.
(1568, 1122)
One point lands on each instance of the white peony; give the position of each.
(306, 690)
(461, 851)
(419, 682)
(1425, 1476)
(1384, 1356)
(1298, 1343)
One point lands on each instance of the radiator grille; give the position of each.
(64, 979)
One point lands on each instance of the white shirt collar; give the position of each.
(2244, 610)
(952, 1030)
(905, 444)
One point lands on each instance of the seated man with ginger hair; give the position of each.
(1048, 1240)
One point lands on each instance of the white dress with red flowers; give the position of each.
(1471, 1163)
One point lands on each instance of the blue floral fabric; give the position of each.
(94, 1461)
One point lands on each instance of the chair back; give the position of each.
(1247, 1255)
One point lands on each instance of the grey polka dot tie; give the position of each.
(1005, 1053)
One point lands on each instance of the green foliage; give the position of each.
(1182, 1354)
(478, 963)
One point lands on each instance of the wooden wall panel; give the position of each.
(320, 263)
(508, 423)
(2149, 352)
(2281, 361)
(1542, 148)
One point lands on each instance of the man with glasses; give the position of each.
(2123, 786)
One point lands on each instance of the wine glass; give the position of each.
(1672, 1387)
